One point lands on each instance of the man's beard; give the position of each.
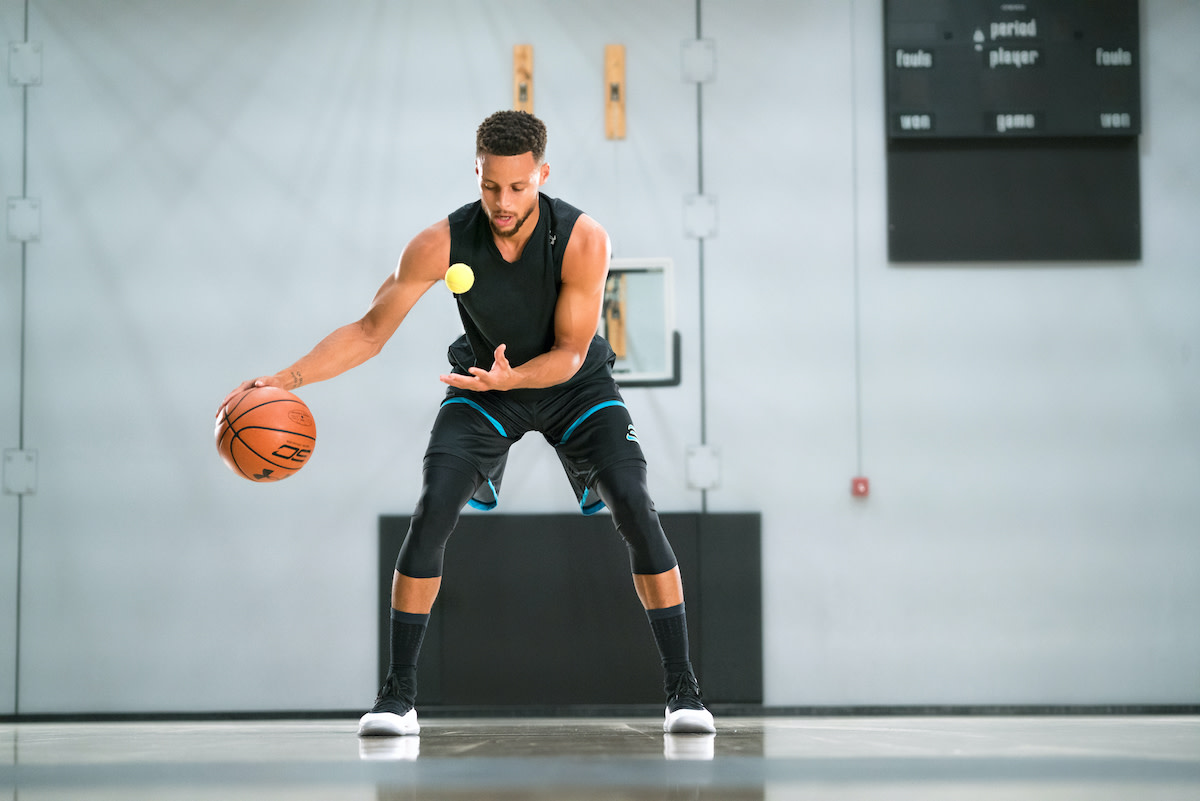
(516, 226)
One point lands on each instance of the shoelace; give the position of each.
(685, 692)
(396, 687)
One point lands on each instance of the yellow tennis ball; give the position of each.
(459, 278)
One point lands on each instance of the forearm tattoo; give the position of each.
(297, 380)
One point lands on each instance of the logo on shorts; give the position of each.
(632, 435)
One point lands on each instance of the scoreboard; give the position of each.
(997, 69)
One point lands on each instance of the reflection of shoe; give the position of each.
(685, 710)
(388, 724)
(393, 713)
(389, 748)
(693, 746)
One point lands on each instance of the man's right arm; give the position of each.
(422, 265)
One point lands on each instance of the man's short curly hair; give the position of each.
(511, 133)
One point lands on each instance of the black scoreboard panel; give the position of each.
(988, 68)
(982, 200)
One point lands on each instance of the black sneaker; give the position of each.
(393, 713)
(685, 711)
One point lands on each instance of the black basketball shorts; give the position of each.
(588, 425)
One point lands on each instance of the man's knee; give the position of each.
(623, 489)
(445, 490)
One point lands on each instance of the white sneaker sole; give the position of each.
(388, 724)
(690, 721)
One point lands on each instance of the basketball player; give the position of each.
(530, 360)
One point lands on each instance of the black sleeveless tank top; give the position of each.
(513, 302)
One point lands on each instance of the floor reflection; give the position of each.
(749, 759)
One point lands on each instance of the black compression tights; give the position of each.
(622, 487)
(445, 491)
(448, 488)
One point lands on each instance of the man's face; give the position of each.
(508, 186)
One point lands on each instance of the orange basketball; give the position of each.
(266, 434)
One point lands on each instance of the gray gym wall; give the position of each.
(222, 183)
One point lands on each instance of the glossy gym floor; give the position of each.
(927, 758)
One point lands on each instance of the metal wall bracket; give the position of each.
(20, 472)
(700, 216)
(703, 467)
(24, 219)
(699, 60)
(25, 63)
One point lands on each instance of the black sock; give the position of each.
(408, 630)
(670, 633)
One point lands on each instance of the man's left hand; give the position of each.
(500, 377)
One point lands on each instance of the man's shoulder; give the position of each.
(463, 213)
(561, 209)
(568, 222)
(431, 241)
